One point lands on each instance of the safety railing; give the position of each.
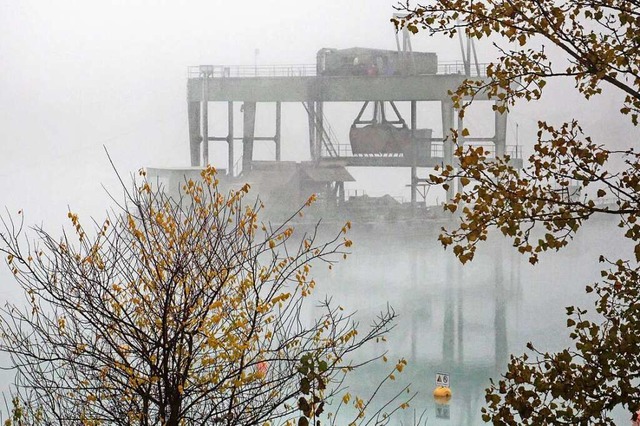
(437, 150)
(489, 149)
(222, 71)
(458, 67)
(344, 150)
(304, 70)
(341, 149)
(355, 193)
(514, 151)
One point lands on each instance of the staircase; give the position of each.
(328, 138)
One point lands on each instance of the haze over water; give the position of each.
(463, 320)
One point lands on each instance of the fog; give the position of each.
(82, 76)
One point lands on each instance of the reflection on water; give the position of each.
(462, 320)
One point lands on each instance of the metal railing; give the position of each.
(344, 150)
(437, 150)
(457, 67)
(354, 193)
(340, 149)
(302, 70)
(514, 151)
(488, 148)
(222, 71)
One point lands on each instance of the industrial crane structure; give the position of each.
(379, 136)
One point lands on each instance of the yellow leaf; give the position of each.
(522, 39)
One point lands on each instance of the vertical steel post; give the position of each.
(447, 138)
(205, 121)
(311, 112)
(500, 138)
(278, 126)
(461, 139)
(195, 137)
(319, 129)
(248, 129)
(230, 152)
(467, 65)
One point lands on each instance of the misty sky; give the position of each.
(78, 74)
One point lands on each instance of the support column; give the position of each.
(461, 140)
(278, 125)
(230, 152)
(248, 129)
(447, 138)
(500, 138)
(414, 153)
(311, 112)
(319, 130)
(205, 132)
(195, 138)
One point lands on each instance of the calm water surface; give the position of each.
(463, 320)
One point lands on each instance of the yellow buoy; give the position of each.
(442, 392)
